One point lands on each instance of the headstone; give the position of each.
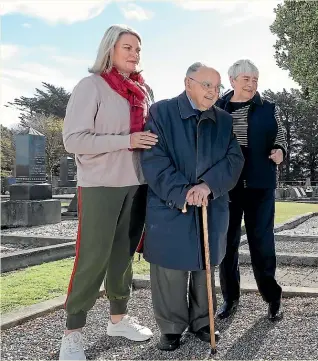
(31, 200)
(280, 193)
(298, 195)
(30, 157)
(30, 168)
(72, 208)
(67, 172)
(309, 189)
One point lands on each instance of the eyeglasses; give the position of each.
(209, 86)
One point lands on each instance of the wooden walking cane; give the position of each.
(208, 276)
(208, 273)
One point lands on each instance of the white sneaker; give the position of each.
(72, 347)
(129, 327)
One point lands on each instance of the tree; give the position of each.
(299, 116)
(296, 49)
(289, 113)
(51, 101)
(307, 135)
(51, 127)
(7, 150)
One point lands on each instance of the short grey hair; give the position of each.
(194, 68)
(242, 66)
(104, 58)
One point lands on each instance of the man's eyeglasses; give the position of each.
(209, 86)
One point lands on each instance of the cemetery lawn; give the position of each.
(43, 282)
(39, 283)
(288, 210)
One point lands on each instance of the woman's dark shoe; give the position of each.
(275, 312)
(169, 342)
(227, 309)
(204, 334)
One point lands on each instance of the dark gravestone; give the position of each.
(30, 157)
(72, 208)
(309, 190)
(30, 168)
(31, 200)
(67, 172)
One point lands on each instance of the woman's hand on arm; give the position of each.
(143, 140)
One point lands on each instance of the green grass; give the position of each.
(49, 280)
(40, 283)
(288, 210)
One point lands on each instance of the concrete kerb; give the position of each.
(296, 238)
(35, 256)
(35, 241)
(286, 259)
(29, 313)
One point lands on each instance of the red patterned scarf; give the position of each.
(131, 89)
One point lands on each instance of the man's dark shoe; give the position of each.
(204, 334)
(227, 309)
(169, 342)
(275, 312)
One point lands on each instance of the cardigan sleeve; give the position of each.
(78, 132)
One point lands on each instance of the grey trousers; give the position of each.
(180, 299)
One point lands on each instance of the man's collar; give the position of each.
(191, 102)
(257, 99)
(209, 114)
(186, 110)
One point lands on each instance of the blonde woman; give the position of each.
(103, 127)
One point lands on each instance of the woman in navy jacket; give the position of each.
(261, 137)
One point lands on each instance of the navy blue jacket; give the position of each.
(190, 149)
(259, 171)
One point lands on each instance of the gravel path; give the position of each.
(292, 247)
(246, 336)
(62, 229)
(308, 228)
(292, 276)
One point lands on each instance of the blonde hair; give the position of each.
(104, 58)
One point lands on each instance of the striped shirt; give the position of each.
(239, 112)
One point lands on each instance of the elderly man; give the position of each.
(196, 161)
(261, 137)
